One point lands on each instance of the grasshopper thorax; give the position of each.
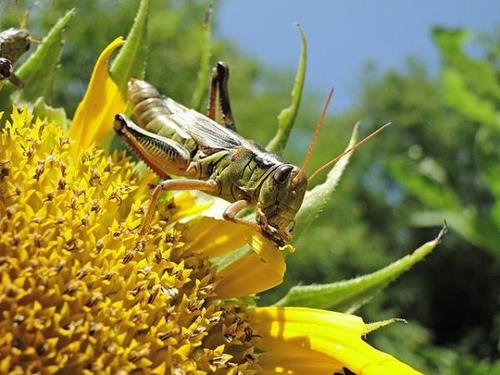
(280, 198)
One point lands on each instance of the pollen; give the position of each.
(80, 290)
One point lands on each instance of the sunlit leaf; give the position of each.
(54, 115)
(450, 41)
(458, 95)
(348, 295)
(479, 230)
(435, 194)
(317, 198)
(481, 74)
(204, 69)
(131, 60)
(286, 118)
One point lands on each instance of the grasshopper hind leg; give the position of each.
(219, 105)
(163, 155)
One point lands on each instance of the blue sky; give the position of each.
(343, 35)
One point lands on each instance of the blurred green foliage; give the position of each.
(439, 160)
(446, 167)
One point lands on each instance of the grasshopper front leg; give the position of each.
(234, 208)
(219, 105)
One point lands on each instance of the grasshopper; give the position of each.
(174, 140)
(13, 43)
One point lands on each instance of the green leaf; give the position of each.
(54, 115)
(481, 74)
(348, 295)
(479, 230)
(450, 41)
(131, 60)
(204, 69)
(431, 191)
(465, 101)
(39, 69)
(317, 198)
(287, 116)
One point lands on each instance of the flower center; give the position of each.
(80, 289)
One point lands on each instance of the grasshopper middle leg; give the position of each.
(168, 185)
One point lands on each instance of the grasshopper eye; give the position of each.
(282, 173)
(5, 68)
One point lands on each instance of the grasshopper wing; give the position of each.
(207, 133)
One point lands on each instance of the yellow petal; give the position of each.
(288, 358)
(336, 335)
(260, 270)
(94, 116)
(187, 206)
(214, 237)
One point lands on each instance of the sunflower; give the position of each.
(82, 292)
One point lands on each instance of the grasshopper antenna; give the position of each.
(317, 128)
(350, 149)
(34, 41)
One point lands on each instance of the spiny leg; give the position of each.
(163, 155)
(233, 209)
(219, 106)
(169, 185)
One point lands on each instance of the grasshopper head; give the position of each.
(16, 42)
(280, 198)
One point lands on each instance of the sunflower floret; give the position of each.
(80, 291)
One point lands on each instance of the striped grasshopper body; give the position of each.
(13, 43)
(174, 140)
